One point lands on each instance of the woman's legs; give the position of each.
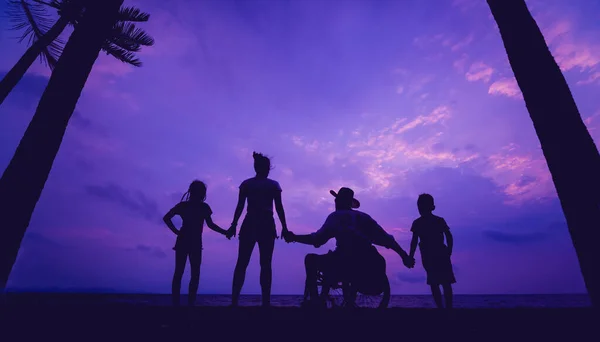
(195, 262)
(180, 258)
(265, 248)
(239, 275)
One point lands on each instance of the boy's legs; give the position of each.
(448, 295)
(437, 295)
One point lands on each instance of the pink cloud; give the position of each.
(461, 63)
(506, 87)
(480, 72)
(522, 176)
(463, 43)
(593, 78)
(572, 52)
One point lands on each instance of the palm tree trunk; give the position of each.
(570, 152)
(17, 72)
(23, 180)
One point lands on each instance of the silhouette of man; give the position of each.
(355, 233)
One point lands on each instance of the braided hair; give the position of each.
(196, 191)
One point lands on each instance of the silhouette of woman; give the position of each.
(194, 211)
(258, 226)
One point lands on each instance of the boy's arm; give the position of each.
(448, 235)
(449, 240)
(413, 244)
(415, 239)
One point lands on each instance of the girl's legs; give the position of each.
(195, 261)
(437, 295)
(239, 275)
(265, 248)
(448, 295)
(180, 258)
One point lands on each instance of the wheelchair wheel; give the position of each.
(371, 299)
(334, 295)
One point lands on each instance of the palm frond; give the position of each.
(33, 20)
(51, 3)
(121, 54)
(128, 37)
(133, 14)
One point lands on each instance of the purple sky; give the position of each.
(391, 98)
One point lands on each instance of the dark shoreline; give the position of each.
(27, 318)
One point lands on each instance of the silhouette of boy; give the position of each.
(428, 233)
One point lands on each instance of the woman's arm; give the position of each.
(214, 226)
(238, 210)
(168, 220)
(280, 213)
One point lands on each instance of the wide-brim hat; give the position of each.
(346, 193)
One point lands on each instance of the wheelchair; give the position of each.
(363, 286)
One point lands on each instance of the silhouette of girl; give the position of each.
(258, 226)
(194, 212)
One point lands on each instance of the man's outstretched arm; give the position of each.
(313, 239)
(396, 248)
(380, 237)
(318, 238)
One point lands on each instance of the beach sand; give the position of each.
(31, 320)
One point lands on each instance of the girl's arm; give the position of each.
(238, 210)
(280, 213)
(168, 220)
(214, 226)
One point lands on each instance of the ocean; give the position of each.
(403, 301)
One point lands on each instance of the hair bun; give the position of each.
(256, 155)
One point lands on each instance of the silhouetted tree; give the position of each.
(570, 152)
(23, 180)
(43, 33)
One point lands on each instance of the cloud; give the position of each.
(134, 201)
(515, 238)
(30, 87)
(463, 43)
(411, 278)
(438, 115)
(465, 5)
(480, 72)
(506, 87)
(36, 239)
(461, 63)
(152, 251)
(593, 78)
(573, 48)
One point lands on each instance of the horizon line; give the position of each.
(88, 292)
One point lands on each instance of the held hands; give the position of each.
(288, 236)
(230, 232)
(408, 261)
